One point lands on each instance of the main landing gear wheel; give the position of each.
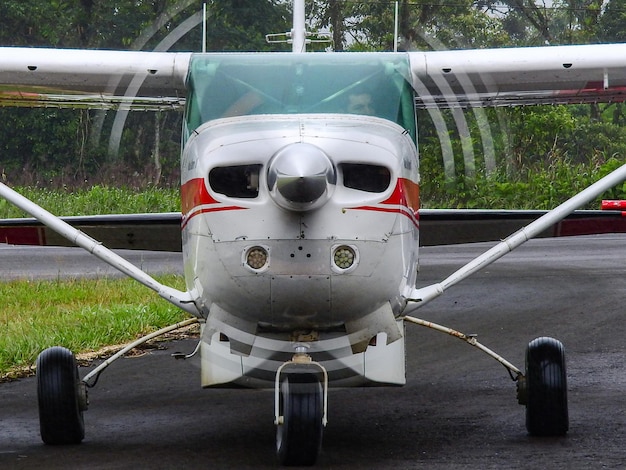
(299, 434)
(61, 397)
(546, 383)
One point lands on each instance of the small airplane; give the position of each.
(301, 213)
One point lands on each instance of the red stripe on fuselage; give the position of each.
(193, 194)
(407, 194)
(196, 200)
(405, 200)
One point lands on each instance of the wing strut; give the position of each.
(418, 297)
(181, 299)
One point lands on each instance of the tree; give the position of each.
(612, 23)
(241, 25)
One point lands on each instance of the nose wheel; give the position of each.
(301, 395)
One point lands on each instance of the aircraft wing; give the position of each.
(520, 76)
(42, 77)
(479, 77)
(161, 232)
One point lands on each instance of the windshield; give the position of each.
(225, 85)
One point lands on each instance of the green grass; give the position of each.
(82, 315)
(96, 200)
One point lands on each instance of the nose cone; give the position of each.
(301, 177)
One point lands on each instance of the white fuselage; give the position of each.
(255, 313)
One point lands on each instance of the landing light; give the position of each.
(344, 257)
(256, 257)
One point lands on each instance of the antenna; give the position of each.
(204, 27)
(298, 32)
(298, 37)
(395, 29)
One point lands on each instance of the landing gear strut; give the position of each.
(542, 389)
(301, 396)
(62, 396)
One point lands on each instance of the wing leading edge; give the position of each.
(520, 76)
(41, 77)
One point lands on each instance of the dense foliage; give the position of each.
(498, 157)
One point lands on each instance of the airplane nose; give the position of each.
(301, 177)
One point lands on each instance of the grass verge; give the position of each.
(96, 200)
(83, 315)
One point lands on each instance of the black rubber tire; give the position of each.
(546, 409)
(299, 438)
(60, 417)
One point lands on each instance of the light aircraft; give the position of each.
(300, 218)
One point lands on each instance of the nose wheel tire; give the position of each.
(299, 432)
(546, 407)
(60, 397)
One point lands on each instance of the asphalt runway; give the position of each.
(52, 262)
(458, 409)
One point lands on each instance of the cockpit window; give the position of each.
(225, 85)
(241, 181)
(370, 178)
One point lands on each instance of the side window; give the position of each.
(370, 178)
(241, 181)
